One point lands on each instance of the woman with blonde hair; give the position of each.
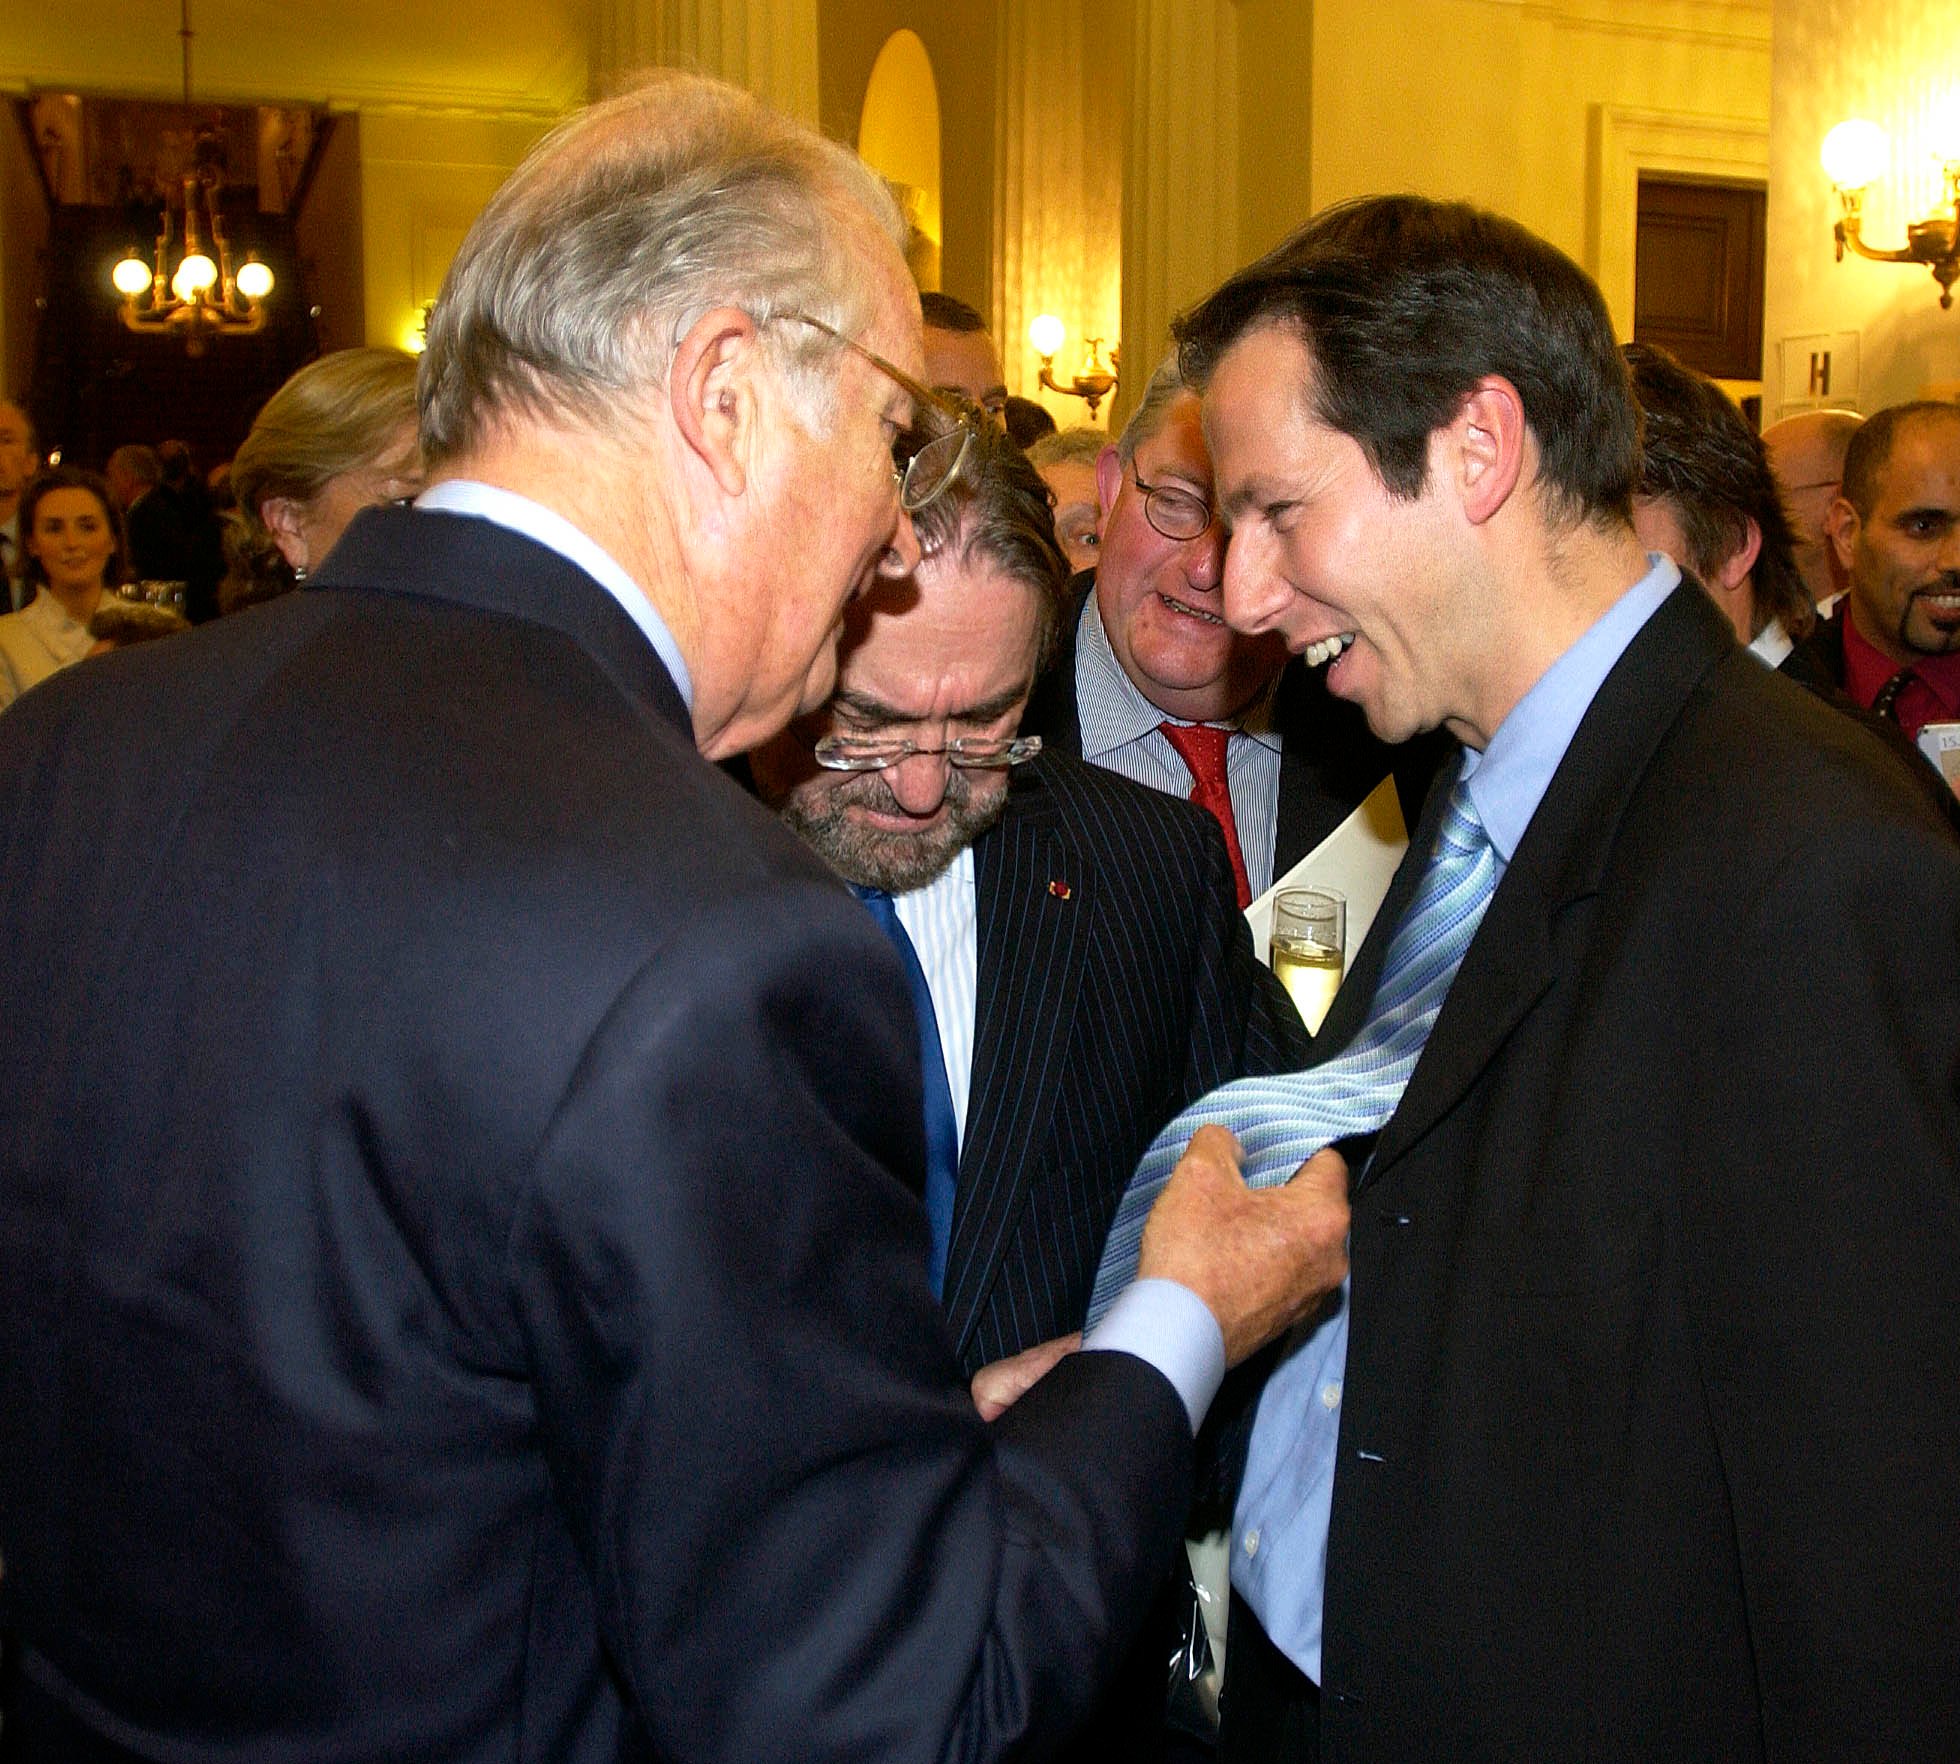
(338, 437)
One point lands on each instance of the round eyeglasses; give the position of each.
(1173, 511)
(981, 753)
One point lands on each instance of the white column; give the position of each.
(1180, 188)
(767, 46)
(1058, 184)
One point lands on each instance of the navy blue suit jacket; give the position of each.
(462, 1289)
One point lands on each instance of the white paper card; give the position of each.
(1357, 859)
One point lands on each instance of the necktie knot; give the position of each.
(1462, 829)
(1201, 748)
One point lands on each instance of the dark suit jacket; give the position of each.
(1650, 1446)
(1116, 984)
(462, 1293)
(1329, 759)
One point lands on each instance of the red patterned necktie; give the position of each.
(1202, 749)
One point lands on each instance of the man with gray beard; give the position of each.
(1077, 959)
(1079, 965)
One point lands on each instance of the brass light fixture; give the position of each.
(1093, 383)
(200, 297)
(1854, 155)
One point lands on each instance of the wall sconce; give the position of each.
(1853, 157)
(1093, 383)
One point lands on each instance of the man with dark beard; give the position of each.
(1893, 642)
(1078, 961)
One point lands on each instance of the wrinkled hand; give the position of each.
(998, 1387)
(1261, 1259)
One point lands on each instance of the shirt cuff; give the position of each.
(1168, 1326)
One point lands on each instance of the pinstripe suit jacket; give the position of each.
(1116, 982)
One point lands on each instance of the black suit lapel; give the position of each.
(1034, 896)
(1560, 860)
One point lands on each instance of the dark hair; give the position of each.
(1026, 421)
(942, 312)
(1403, 305)
(67, 477)
(175, 459)
(1870, 450)
(998, 511)
(1698, 451)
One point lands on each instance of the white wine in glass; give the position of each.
(1309, 950)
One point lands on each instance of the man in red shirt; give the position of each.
(1895, 644)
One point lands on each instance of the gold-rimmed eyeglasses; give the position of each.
(924, 464)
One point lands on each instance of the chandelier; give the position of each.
(201, 296)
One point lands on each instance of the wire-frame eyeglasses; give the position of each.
(924, 464)
(1174, 511)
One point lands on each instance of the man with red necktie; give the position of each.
(1150, 682)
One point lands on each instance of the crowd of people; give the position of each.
(646, 1123)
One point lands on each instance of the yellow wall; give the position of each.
(1891, 64)
(1519, 108)
(960, 41)
(424, 179)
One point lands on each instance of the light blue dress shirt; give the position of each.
(1279, 1529)
(1120, 734)
(505, 508)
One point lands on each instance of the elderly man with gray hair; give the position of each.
(484, 1314)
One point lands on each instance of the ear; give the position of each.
(281, 515)
(1485, 455)
(1109, 479)
(712, 393)
(1737, 565)
(1841, 526)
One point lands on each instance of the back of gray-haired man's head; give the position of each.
(621, 229)
(1162, 390)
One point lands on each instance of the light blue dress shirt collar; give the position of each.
(505, 508)
(1508, 779)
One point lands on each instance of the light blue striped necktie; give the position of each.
(1283, 1120)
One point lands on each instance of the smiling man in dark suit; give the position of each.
(462, 1286)
(1638, 1436)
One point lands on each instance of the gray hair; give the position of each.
(1081, 445)
(1160, 392)
(622, 227)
